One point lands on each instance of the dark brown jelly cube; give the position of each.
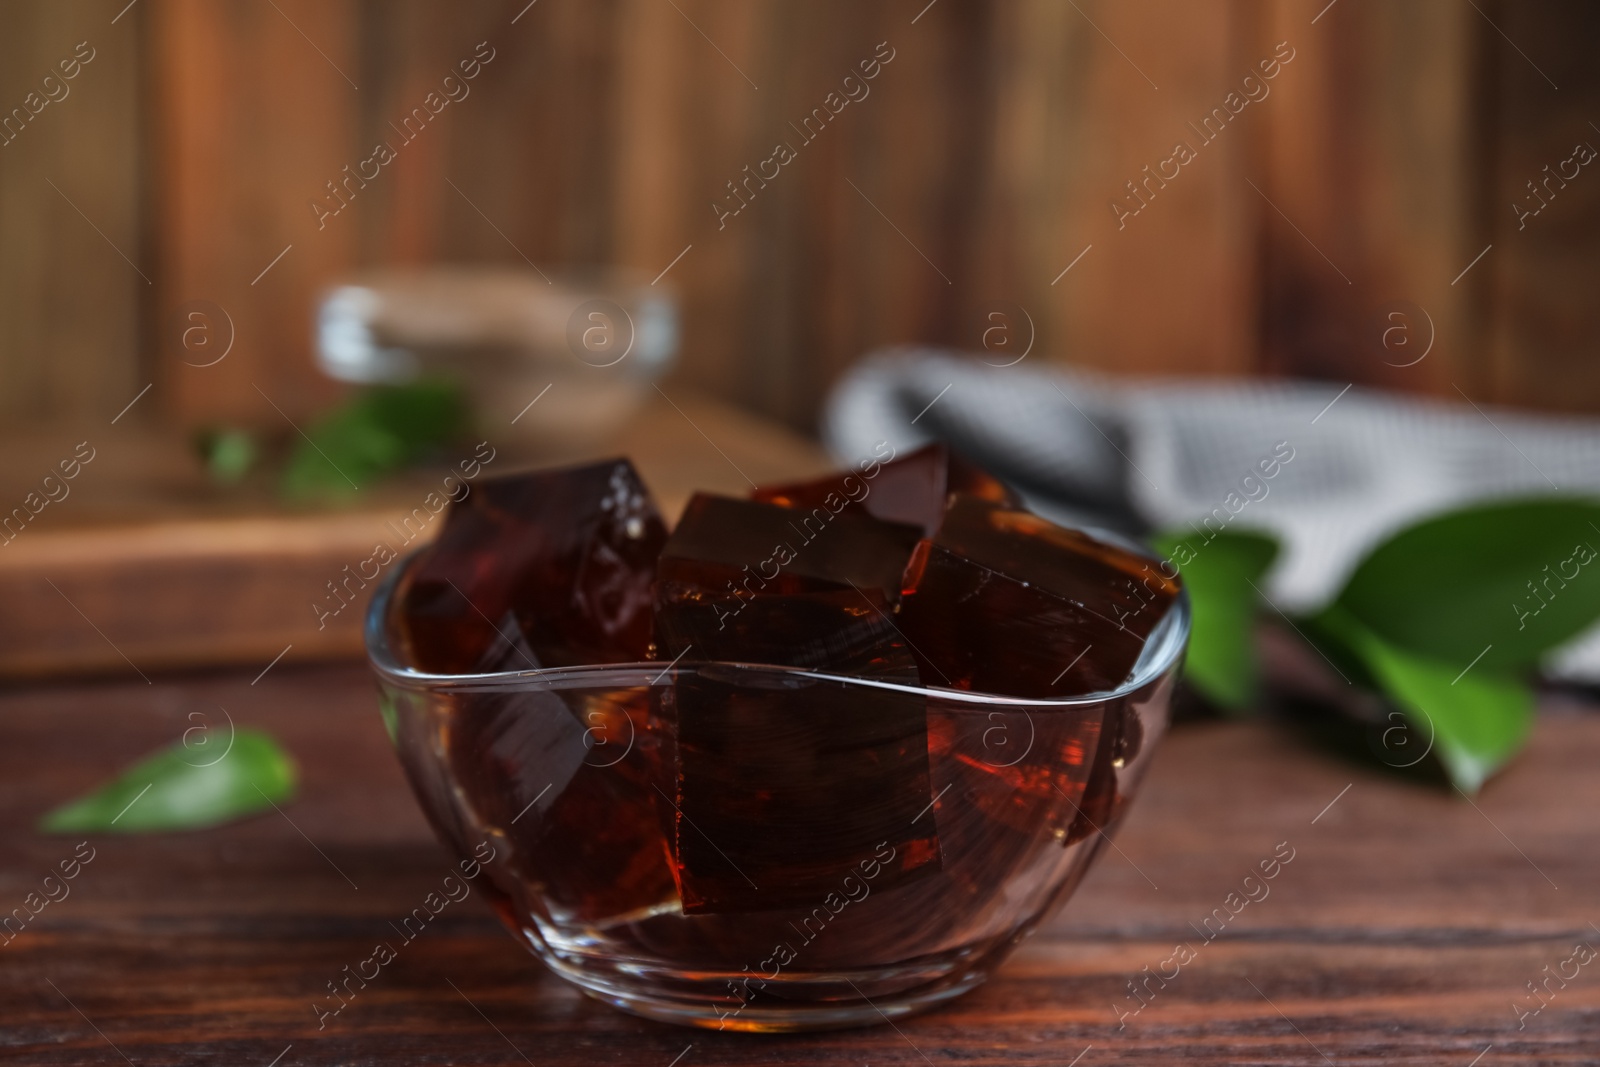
(747, 548)
(570, 551)
(786, 785)
(1119, 585)
(1002, 601)
(1103, 803)
(572, 783)
(1010, 763)
(974, 628)
(911, 489)
(1008, 781)
(753, 583)
(841, 631)
(508, 649)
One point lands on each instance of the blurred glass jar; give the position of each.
(589, 345)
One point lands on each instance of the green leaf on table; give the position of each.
(1221, 575)
(1508, 580)
(184, 788)
(380, 430)
(1472, 719)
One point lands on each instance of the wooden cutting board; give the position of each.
(144, 566)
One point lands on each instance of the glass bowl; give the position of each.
(748, 847)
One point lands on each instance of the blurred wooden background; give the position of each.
(1386, 157)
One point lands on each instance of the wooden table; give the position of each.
(1403, 931)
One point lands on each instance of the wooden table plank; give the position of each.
(1401, 932)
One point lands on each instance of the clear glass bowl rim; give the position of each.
(1162, 651)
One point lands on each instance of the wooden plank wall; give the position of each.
(1371, 162)
(984, 159)
(74, 263)
(1542, 277)
(253, 117)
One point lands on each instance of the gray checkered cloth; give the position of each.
(1167, 453)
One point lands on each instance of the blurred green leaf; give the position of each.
(1221, 661)
(391, 715)
(1471, 719)
(1517, 578)
(184, 788)
(229, 454)
(379, 431)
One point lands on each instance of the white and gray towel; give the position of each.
(1169, 452)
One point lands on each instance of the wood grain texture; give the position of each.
(70, 211)
(976, 164)
(1543, 340)
(254, 114)
(1403, 930)
(983, 161)
(1169, 288)
(1370, 176)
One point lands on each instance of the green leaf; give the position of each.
(184, 788)
(229, 454)
(1472, 719)
(380, 430)
(419, 415)
(1517, 579)
(1221, 661)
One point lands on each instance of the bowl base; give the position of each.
(714, 1009)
